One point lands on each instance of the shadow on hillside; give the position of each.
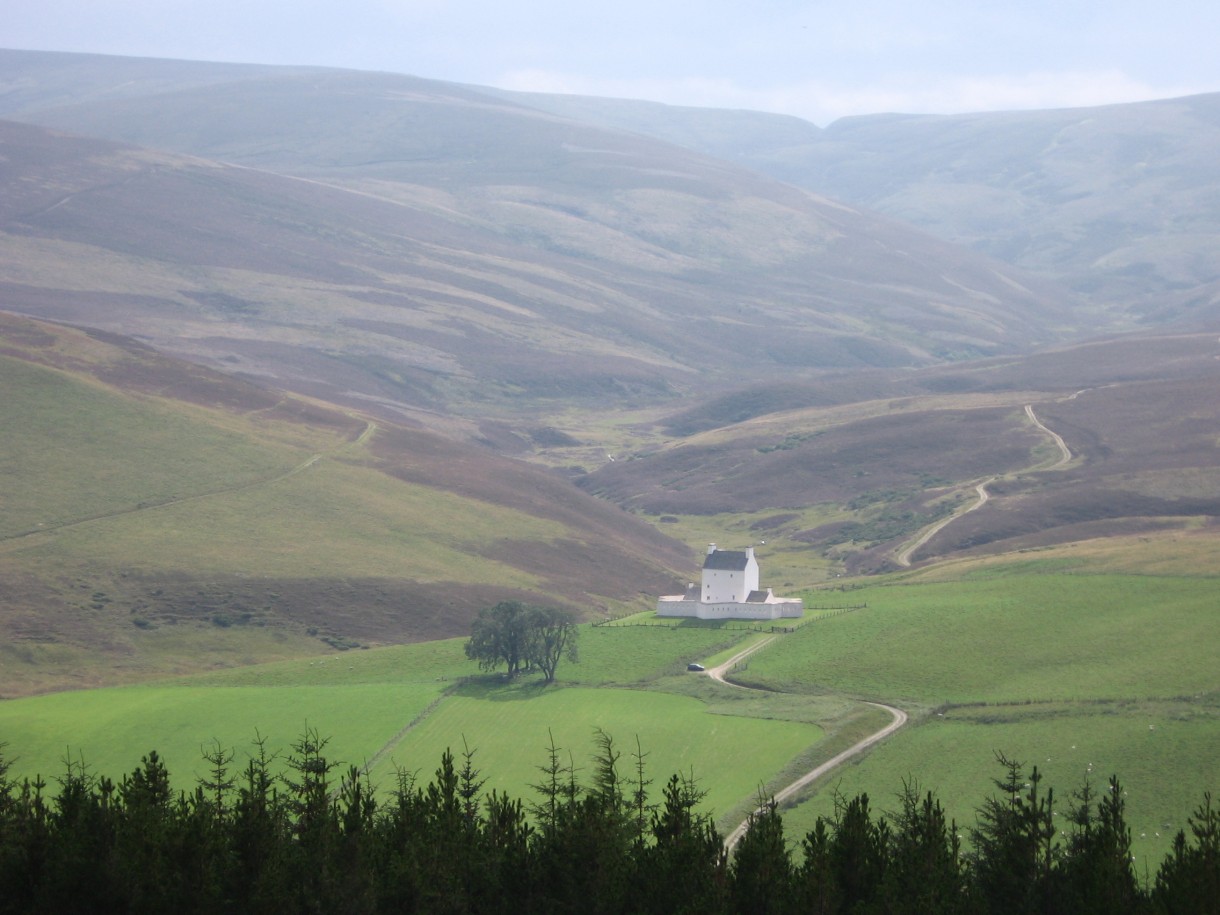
(496, 687)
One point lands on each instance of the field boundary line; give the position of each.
(278, 477)
(415, 722)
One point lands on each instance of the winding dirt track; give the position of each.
(903, 557)
(1065, 453)
(899, 718)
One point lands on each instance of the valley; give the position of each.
(302, 368)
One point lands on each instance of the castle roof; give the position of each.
(726, 560)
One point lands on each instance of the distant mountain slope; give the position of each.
(436, 245)
(156, 516)
(1119, 202)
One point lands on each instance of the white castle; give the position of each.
(729, 591)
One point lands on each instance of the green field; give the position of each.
(633, 685)
(1055, 670)
(1164, 754)
(730, 756)
(1077, 674)
(1009, 637)
(110, 729)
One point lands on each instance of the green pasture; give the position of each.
(1165, 754)
(1058, 670)
(730, 756)
(442, 661)
(1031, 662)
(1008, 638)
(360, 699)
(626, 656)
(111, 729)
(630, 655)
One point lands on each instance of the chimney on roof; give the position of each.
(711, 548)
(749, 552)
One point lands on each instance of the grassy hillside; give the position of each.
(160, 517)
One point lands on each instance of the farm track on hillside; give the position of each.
(363, 438)
(903, 556)
(898, 719)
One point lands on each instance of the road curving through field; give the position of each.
(720, 672)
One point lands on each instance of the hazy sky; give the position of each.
(817, 60)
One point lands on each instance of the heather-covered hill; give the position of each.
(424, 246)
(1118, 202)
(156, 516)
(855, 468)
(536, 279)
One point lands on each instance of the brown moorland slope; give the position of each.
(1140, 416)
(1145, 456)
(437, 249)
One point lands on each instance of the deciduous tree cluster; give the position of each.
(249, 840)
(522, 637)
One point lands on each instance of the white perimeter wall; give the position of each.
(705, 610)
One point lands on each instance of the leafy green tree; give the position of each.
(521, 636)
(586, 860)
(314, 855)
(685, 868)
(507, 864)
(558, 788)
(146, 835)
(500, 635)
(859, 853)
(815, 883)
(551, 637)
(761, 870)
(925, 872)
(1094, 874)
(77, 857)
(260, 830)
